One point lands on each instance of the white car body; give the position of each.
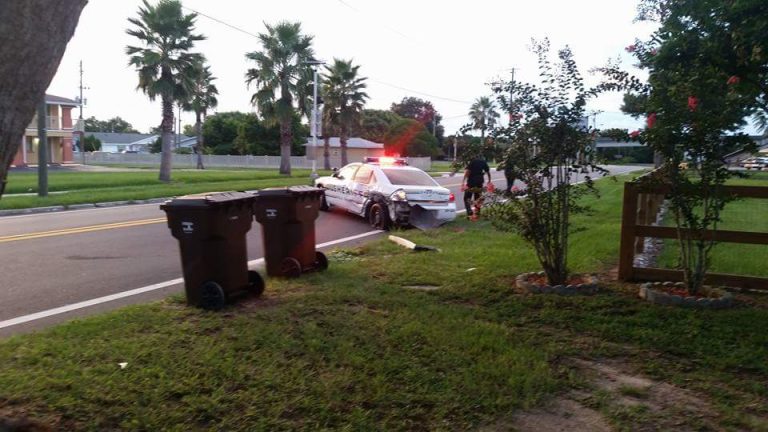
(758, 163)
(406, 195)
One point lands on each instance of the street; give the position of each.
(52, 261)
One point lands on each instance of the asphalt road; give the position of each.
(60, 259)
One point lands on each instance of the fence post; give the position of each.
(628, 223)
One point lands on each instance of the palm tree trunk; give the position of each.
(36, 32)
(167, 129)
(199, 145)
(327, 152)
(343, 139)
(286, 136)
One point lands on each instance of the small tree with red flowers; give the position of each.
(702, 85)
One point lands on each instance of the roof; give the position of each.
(51, 99)
(119, 138)
(351, 143)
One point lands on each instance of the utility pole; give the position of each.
(315, 121)
(178, 130)
(81, 101)
(42, 148)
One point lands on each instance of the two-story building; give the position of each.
(59, 128)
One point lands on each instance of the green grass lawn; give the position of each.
(93, 187)
(740, 215)
(355, 349)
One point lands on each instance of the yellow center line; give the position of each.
(79, 230)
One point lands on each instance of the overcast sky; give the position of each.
(441, 51)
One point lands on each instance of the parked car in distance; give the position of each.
(388, 193)
(757, 163)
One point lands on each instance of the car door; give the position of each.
(338, 192)
(359, 188)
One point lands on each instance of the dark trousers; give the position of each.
(510, 183)
(470, 195)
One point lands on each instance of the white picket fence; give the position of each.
(223, 161)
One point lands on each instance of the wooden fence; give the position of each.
(642, 202)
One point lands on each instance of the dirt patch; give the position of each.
(560, 415)
(615, 397)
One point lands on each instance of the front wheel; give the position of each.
(378, 216)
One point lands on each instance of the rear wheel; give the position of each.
(290, 267)
(321, 261)
(378, 216)
(212, 296)
(255, 283)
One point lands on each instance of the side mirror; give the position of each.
(335, 173)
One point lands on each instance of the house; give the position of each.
(357, 148)
(113, 142)
(59, 130)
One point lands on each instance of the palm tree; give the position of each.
(163, 62)
(279, 77)
(202, 96)
(483, 115)
(344, 99)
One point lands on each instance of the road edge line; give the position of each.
(117, 296)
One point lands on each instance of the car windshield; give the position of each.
(408, 177)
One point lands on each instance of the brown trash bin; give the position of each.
(287, 217)
(211, 229)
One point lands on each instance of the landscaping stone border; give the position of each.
(659, 297)
(521, 281)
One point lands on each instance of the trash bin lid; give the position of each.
(208, 199)
(272, 192)
(300, 190)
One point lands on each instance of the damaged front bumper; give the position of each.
(422, 216)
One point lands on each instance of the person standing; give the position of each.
(472, 183)
(509, 174)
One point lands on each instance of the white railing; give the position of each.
(52, 123)
(223, 161)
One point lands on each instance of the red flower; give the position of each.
(651, 120)
(693, 102)
(733, 80)
(631, 48)
(634, 134)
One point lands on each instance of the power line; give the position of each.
(222, 22)
(421, 93)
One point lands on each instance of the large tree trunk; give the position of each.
(199, 145)
(286, 138)
(167, 136)
(34, 35)
(343, 139)
(327, 152)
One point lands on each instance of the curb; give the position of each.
(52, 209)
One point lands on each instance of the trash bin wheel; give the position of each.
(212, 296)
(378, 216)
(255, 283)
(321, 261)
(323, 203)
(290, 267)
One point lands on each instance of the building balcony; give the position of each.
(52, 123)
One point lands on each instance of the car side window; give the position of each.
(363, 175)
(347, 172)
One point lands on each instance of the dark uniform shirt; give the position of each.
(477, 170)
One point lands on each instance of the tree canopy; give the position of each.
(115, 124)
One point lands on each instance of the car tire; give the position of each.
(378, 216)
(324, 203)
